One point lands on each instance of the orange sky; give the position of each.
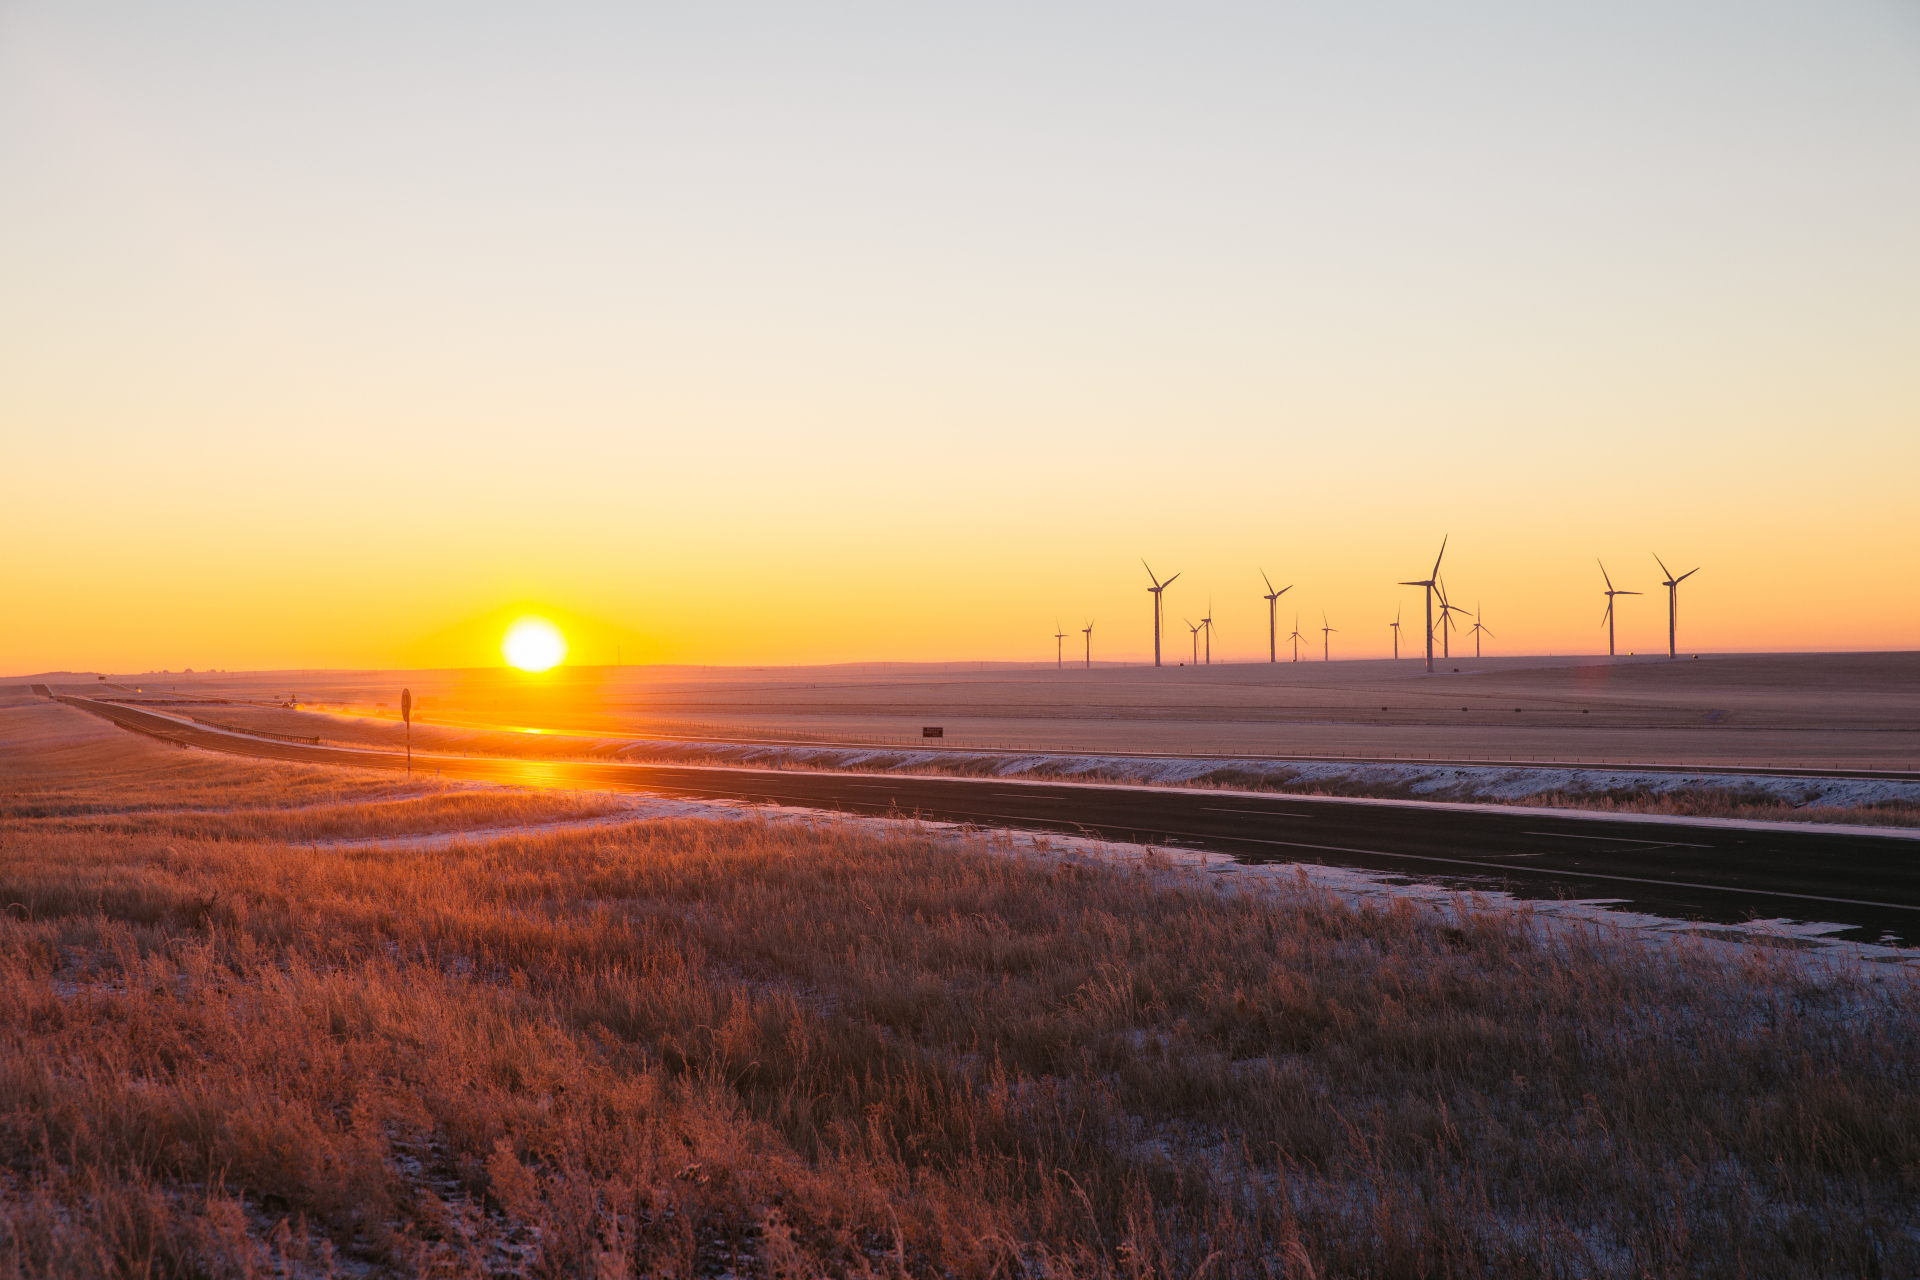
(340, 340)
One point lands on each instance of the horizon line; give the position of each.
(1016, 663)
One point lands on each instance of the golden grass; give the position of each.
(477, 808)
(65, 770)
(703, 1048)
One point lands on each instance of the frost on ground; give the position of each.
(1484, 784)
(1353, 886)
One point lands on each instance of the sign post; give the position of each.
(406, 713)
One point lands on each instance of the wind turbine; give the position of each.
(1196, 640)
(1326, 638)
(1478, 627)
(1273, 615)
(1296, 637)
(1428, 583)
(1611, 593)
(1447, 624)
(1059, 650)
(1155, 590)
(1087, 631)
(1672, 584)
(1207, 622)
(1395, 624)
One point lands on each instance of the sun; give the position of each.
(533, 644)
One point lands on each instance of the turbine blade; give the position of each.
(1663, 564)
(1264, 578)
(1169, 581)
(1683, 577)
(1603, 572)
(1438, 558)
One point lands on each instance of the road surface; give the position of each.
(1718, 873)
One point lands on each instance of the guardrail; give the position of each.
(255, 733)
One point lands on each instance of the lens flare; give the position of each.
(533, 644)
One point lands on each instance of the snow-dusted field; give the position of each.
(1486, 784)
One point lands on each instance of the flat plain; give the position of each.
(1848, 711)
(231, 1045)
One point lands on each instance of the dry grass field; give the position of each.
(1823, 710)
(702, 1049)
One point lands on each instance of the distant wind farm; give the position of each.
(1439, 614)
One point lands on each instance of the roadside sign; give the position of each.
(933, 731)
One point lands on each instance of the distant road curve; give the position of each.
(1722, 873)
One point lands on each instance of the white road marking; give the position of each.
(1258, 813)
(1663, 844)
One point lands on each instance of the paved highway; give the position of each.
(1693, 871)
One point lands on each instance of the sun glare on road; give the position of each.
(533, 644)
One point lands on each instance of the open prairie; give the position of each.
(1849, 711)
(231, 1045)
(407, 371)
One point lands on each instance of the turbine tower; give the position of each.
(1478, 627)
(1155, 590)
(1326, 638)
(1672, 584)
(1296, 637)
(1207, 622)
(1273, 616)
(1087, 631)
(1428, 582)
(1611, 593)
(1196, 629)
(1059, 649)
(1395, 624)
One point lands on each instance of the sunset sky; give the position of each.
(342, 335)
